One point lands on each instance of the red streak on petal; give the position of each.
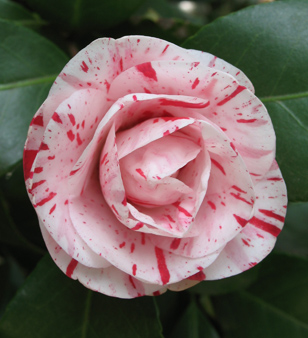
(174, 103)
(181, 209)
(121, 64)
(146, 90)
(79, 141)
(142, 238)
(73, 172)
(245, 242)
(166, 133)
(47, 199)
(124, 202)
(270, 213)
(114, 209)
(134, 269)
(29, 157)
(122, 245)
(70, 135)
(38, 170)
(175, 243)
(38, 121)
(246, 121)
(238, 197)
(218, 165)
(84, 67)
(72, 119)
(274, 179)
(132, 248)
(232, 146)
(195, 84)
(170, 218)
(147, 70)
(241, 221)
(238, 189)
(212, 205)
(71, 267)
(52, 209)
(56, 118)
(104, 158)
(267, 227)
(107, 84)
(212, 62)
(238, 90)
(35, 185)
(141, 173)
(134, 97)
(69, 106)
(165, 49)
(132, 281)
(162, 266)
(138, 226)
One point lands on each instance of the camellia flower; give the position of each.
(152, 167)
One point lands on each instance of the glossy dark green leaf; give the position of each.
(85, 15)
(269, 43)
(28, 66)
(12, 11)
(194, 324)
(294, 237)
(52, 305)
(274, 306)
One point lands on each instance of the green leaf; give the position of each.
(294, 237)
(28, 67)
(52, 305)
(85, 15)
(269, 43)
(194, 324)
(275, 306)
(12, 11)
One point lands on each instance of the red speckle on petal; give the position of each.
(122, 245)
(84, 67)
(162, 266)
(195, 84)
(52, 209)
(71, 267)
(134, 268)
(199, 276)
(124, 202)
(115, 210)
(166, 133)
(121, 65)
(69, 106)
(134, 97)
(66, 202)
(51, 157)
(70, 135)
(142, 238)
(175, 243)
(232, 146)
(156, 293)
(168, 102)
(274, 178)
(147, 70)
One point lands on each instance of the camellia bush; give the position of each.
(154, 169)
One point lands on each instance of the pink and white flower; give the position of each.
(152, 167)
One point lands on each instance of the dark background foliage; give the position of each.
(269, 42)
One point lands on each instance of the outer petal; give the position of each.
(258, 237)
